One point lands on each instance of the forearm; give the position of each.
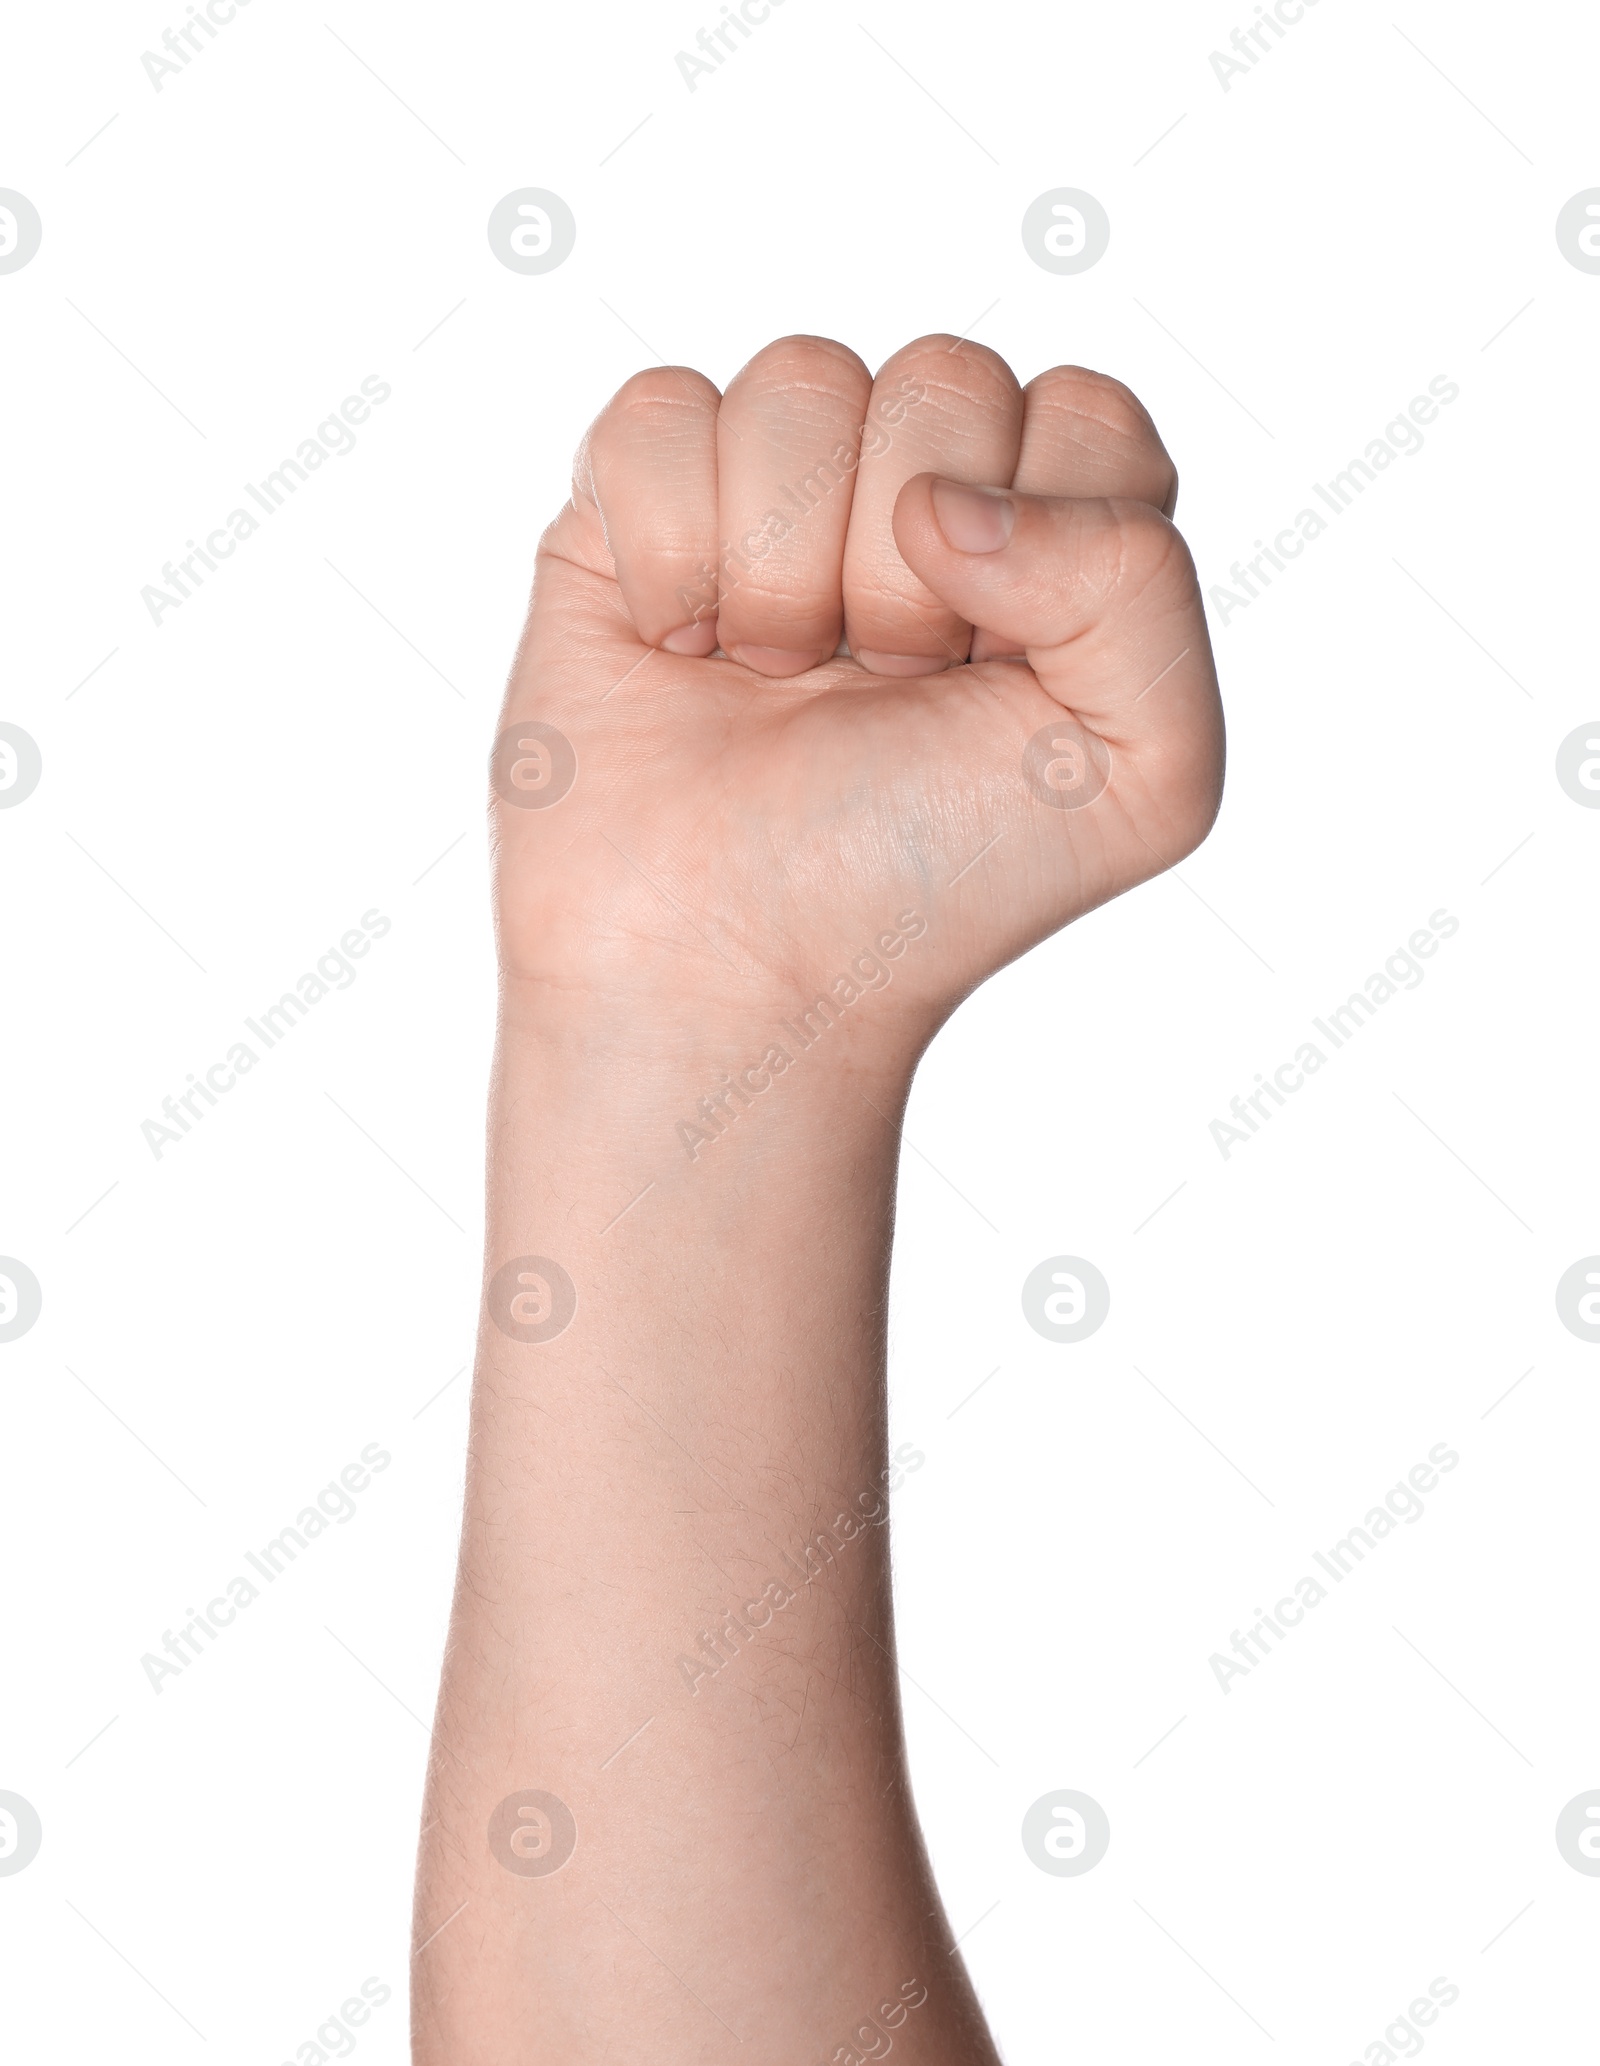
(675, 1541)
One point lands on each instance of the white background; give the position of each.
(304, 740)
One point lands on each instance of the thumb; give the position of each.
(1098, 593)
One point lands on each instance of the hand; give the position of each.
(808, 677)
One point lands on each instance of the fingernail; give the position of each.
(900, 663)
(972, 519)
(774, 660)
(697, 640)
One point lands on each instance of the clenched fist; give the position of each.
(835, 694)
(827, 648)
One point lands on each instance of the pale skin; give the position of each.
(804, 670)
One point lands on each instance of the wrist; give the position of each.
(624, 1065)
(628, 1001)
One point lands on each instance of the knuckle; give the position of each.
(955, 369)
(802, 364)
(1116, 422)
(669, 408)
(653, 400)
(1100, 395)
